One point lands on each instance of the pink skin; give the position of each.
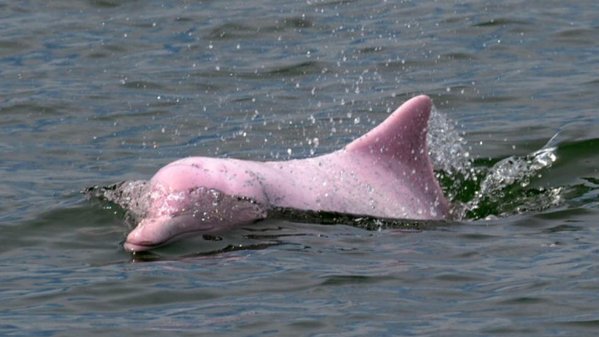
(385, 173)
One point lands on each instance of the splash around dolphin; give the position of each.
(386, 172)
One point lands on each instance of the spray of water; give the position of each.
(447, 147)
(486, 192)
(131, 196)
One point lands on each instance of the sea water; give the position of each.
(96, 92)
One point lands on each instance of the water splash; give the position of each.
(483, 192)
(506, 187)
(447, 147)
(132, 196)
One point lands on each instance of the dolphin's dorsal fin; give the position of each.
(401, 137)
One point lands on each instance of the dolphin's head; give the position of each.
(198, 210)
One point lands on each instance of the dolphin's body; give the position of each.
(385, 173)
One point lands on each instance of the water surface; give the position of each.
(95, 92)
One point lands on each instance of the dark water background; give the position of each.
(94, 92)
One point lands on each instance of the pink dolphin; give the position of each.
(384, 173)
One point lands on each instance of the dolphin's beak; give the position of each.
(157, 231)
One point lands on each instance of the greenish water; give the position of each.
(96, 92)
